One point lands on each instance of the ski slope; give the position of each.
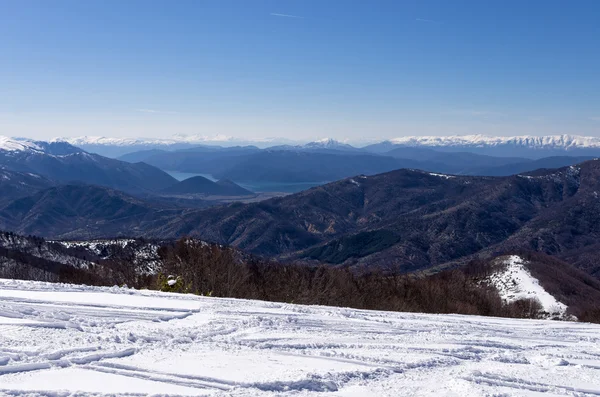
(66, 340)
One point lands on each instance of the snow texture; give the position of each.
(515, 282)
(13, 145)
(534, 142)
(441, 175)
(552, 141)
(68, 340)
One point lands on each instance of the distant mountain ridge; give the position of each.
(562, 141)
(62, 162)
(404, 220)
(525, 146)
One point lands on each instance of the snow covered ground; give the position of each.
(515, 282)
(66, 340)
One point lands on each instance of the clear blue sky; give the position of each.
(299, 69)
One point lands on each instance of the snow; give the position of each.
(14, 145)
(515, 282)
(326, 143)
(69, 340)
(441, 175)
(110, 141)
(551, 141)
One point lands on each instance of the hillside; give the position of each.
(65, 163)
(83, 211)
(14, 185)
(412, 220)
(203, 186)
(404, 220)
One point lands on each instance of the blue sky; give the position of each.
(354, 70)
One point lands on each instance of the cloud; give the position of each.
(425, 20)
(274, 14)
(155, 111)
(595, 118)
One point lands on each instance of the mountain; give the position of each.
(410, 220)
(15, 185)
(204, 186)
(521, 146)
(306, 166)
(200, 160)
(327, 145)
(509, 146)
(62, 162)
(404, 220)
(116, 147)
(330, 160)
(83, 211)
(512, 168)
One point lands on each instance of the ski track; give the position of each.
(60, 340)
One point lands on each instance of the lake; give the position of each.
(258, 187)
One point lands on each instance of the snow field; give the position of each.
(66, 340)
(515, 282)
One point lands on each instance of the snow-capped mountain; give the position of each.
(62, 162)
(329, 143)
(551, 141)
(14, 146)
(117, 147)
(526, 146)
(326, 144)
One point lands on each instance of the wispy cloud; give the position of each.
(425, 20)
(595, 118)
(274, 14)
(155, 111)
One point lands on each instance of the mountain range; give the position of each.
(62, 163)
(330, 162)
(522, 146)
(412, 220)
(404, 220)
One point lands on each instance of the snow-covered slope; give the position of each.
(329, 143)
(551, 141)
(142, 253)
(65, 340)
(514, 282)
(111, 141)
(13, 145)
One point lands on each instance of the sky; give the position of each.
(302, 70)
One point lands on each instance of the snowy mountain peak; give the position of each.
(529, 141)
(327, 143)
(108, 141)
(18, 145)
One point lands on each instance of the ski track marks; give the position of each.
(61, 340)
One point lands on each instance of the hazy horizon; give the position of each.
(298, 70)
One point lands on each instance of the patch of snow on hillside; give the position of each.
(75, 340)
(515, 282)
(441, 175)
